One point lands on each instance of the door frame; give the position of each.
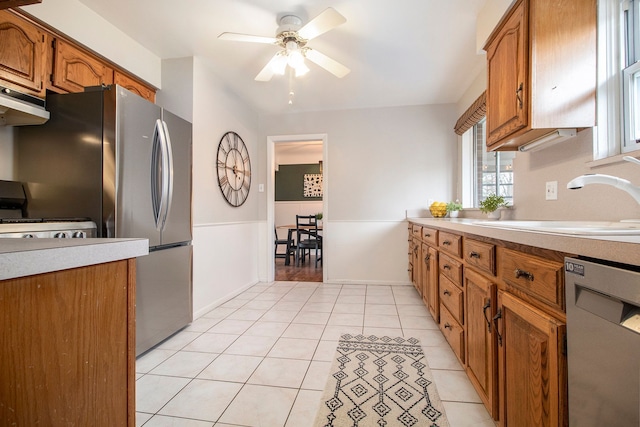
(271, 194)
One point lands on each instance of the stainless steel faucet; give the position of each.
(614, 181)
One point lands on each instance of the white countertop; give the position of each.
(623, 249)
(26, 257)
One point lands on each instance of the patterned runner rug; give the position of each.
(380, 382)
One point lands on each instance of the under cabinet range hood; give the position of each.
(17, 109)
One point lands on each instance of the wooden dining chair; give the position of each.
(307, 238)
(289, 246)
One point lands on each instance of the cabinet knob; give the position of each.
(446, 243)
(448, 326)
(474, 255)
(447, 293)
(446, 267)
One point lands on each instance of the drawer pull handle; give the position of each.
(446, 242)
(448, 326)
(521, 273)
(446, 267)
(474, 255)
(427, 235)
(447, 293)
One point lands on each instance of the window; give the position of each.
(631, 75)
(484, 173)
(618, 129)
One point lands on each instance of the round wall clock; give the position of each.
(234, 169)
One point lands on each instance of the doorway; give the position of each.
(290, 156)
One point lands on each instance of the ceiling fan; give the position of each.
(292, 38)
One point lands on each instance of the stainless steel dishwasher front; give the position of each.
(603, 337)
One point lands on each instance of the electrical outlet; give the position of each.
(551, 192)
(260, 188)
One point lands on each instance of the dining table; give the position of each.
(292, 228)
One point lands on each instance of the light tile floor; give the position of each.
(263, 358)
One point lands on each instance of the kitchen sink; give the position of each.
(602, 228)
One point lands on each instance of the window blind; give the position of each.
(473, 115)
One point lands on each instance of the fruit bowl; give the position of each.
(438, 209)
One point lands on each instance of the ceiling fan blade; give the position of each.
(247, 38)
(331, 65)
(327, 20)
(267, 72)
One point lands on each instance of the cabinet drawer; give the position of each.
(429, 235)
(453, 332)
(538, 277)
(480, 255)
(416, 230)
(451, 297)
(451, 243)
(451, 268)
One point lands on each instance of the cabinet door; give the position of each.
(430, 281)
(482, 361)
(134, 86)
(507, 85)
(531, 368)
(21, 54)
(67, 347)
(73, 69)
(416, 254)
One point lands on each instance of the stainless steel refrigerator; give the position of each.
(110, 155)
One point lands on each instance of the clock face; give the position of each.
(234, 169)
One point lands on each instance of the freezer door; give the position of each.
(135, 128)
(163, 295)
(177, 225)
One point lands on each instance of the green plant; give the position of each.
(492, 202)
(454, 206)
(319, 216)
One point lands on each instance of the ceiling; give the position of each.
(400, 52)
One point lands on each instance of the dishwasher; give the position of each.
(603, 342)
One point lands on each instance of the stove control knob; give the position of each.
(60, 235)
(79, 235)
(28, 236)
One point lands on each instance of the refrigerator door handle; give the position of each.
(168, 182)
(159, 175)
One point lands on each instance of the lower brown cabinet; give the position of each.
(481, 341)
(531, 366)
(67, 347)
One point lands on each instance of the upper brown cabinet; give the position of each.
(6, 4)
(134, 86)
(541, 66)
(22, 53)
(73, 69)
(34, 58)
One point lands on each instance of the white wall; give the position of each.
(380, 162)
(225, 239)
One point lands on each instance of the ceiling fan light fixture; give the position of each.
(279, 64)
(296, 59)
(301, 70)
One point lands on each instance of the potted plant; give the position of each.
(490, 204)
(319, 218)
(453, 208)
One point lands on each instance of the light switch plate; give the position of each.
(551, 192)
(260, 188)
